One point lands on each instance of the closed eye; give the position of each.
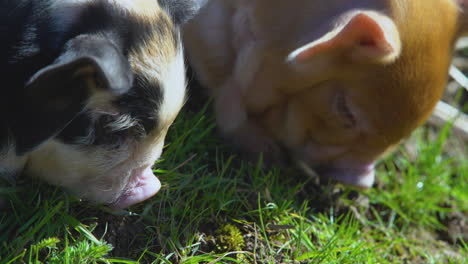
(342, 108)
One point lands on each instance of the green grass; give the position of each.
(216, 208)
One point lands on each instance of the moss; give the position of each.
(229, 238)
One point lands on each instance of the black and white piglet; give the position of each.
(89, 90)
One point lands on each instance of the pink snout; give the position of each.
(359, 176)
(143, 185)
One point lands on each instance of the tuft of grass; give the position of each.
(214, 207)
(425, 189)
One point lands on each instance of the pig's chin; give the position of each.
(142, 185)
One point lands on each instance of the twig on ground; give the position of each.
(446, 113)
(458, 76)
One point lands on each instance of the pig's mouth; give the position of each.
(142, 185)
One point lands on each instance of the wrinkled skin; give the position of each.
(331, 84)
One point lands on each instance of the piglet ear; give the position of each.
(367, 37)
(55, 95)
(182, 11)
(91, 56)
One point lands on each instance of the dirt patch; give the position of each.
(456, 224)
(125, 233)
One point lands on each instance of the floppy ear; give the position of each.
(56, 94)
(368, 37)
(182, 10)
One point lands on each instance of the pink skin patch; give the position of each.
(143, 185)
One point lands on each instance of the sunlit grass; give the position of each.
(282, 216)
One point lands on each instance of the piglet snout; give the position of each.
(358, 176)
(143, 184)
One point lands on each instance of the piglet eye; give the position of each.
(342, 107)
(98, 81)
